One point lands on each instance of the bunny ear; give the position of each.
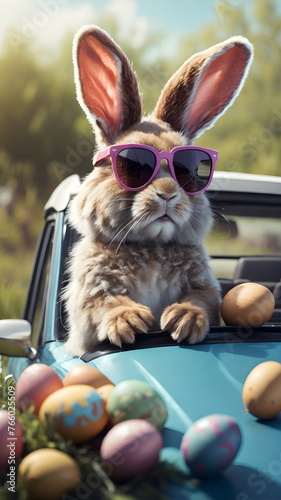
(205, 86)
(107, 88)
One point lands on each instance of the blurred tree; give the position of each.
(41, 123)
(38, 114)
(248, 135)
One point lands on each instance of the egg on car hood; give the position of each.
(199, 380)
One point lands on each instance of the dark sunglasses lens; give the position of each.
(135, 166)
(192, 169)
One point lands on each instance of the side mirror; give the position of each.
(15, 338)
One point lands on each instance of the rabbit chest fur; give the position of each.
(155, 276)
(140, 264)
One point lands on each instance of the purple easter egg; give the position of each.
(131, 447)
(210, 444)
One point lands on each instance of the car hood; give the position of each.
(200, 380)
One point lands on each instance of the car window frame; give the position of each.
(69, 238)
(44, 247)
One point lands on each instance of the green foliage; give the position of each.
(45, 137)
(42, 104)
(42, 125)
(248, 135)
(151, 486)
(15, 273)
(21, 219)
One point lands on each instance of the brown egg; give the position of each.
(261, 393)
(247, 304)
(87, 375)
(47, 474)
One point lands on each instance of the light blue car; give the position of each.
(194, 380)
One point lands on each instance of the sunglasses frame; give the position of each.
(113, 152)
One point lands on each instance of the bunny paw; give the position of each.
(185, 321)
(122, 323)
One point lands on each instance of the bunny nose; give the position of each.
(166, 196)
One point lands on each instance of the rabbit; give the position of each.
(140, 263)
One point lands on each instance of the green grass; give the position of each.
(151, 486)
(15, 271)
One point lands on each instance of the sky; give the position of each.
(47, 21)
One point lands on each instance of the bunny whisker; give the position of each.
(132, 228)
(120, 229)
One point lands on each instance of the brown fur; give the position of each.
(131, 271)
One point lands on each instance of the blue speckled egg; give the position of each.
(210, 444)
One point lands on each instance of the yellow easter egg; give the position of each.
(84, 374)
(78, 412)
(105, 391)
(48, 474)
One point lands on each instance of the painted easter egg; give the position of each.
(131, 447)
(34, 385)
(210, 444)
(48, 474)
(11, 439)
(105, 391)
(77, 411)
(87, 375)
(136, 399)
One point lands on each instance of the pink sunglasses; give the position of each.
(135, 165)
